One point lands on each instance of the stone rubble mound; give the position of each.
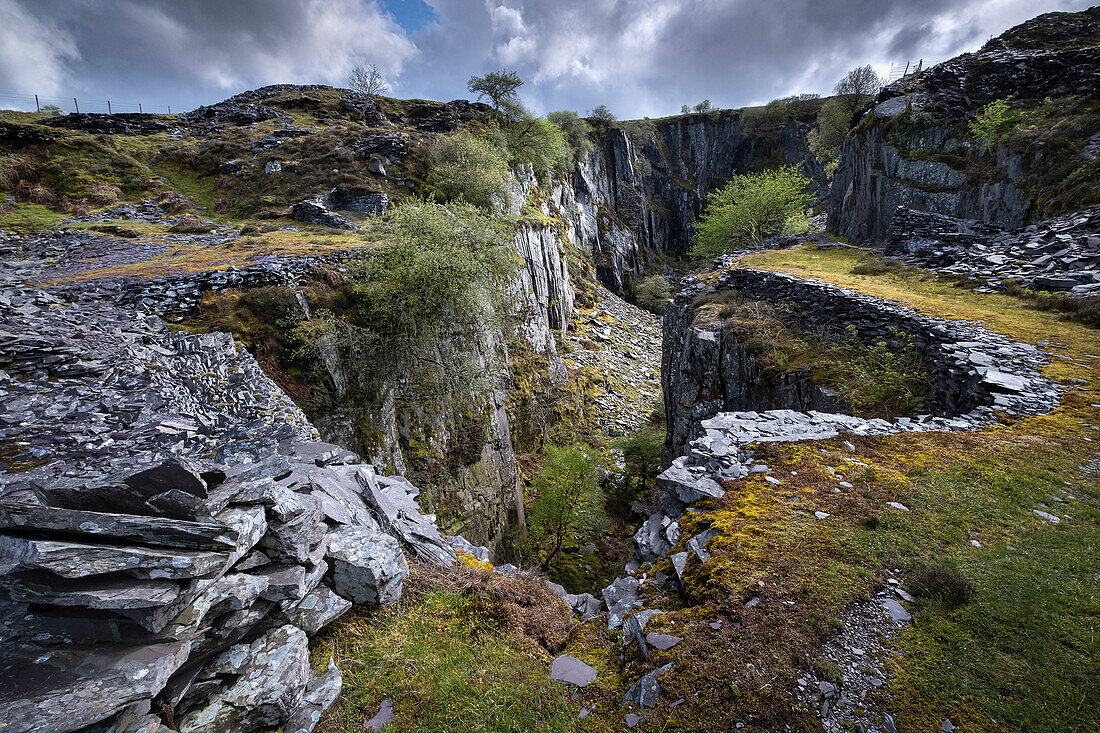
(1062, 253)
(172, 531)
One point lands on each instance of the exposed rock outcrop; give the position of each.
(634, 197)
(1062, 253)
(911, 146)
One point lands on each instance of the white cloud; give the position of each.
(34, 55)
(640, 57)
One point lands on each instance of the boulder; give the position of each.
(268, 683)
(572, 671)
(368, 566)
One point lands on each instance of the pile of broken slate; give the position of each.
(172, 532)
(1061, 253)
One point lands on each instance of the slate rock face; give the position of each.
(875, 175)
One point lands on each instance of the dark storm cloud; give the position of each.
(641, 57)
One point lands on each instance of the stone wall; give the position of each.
(969, 366)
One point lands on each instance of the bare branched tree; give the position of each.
(369, 80)
(861, 81)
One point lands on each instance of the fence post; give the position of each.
(140, 111)
(37, 106)
(169, 109)
(108, 106)
(76, 105)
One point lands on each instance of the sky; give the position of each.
(639, 57)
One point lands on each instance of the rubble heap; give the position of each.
(171, 530)
(1061, 253)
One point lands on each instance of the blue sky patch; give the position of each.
(412, 15)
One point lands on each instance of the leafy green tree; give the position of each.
(499, 87)
(534, 140)
(642, 456)
(464, 167)
(652, 294)
(995, 118)
(750, 208)
(568, 501)
(602, 114)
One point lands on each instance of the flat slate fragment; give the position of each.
(572, 671)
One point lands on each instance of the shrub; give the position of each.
(941, 583)
(575, 130)
(642, 456)
(750, 208)
(191, 225)
(568, 503)
(467, 168)
(877, 381)
(652, 294)
(534, 140)
(440, 262)
(994, 119)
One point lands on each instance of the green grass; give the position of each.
(447, 663)
(28, 218)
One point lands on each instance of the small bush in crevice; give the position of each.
(652, 294)
(464, 167)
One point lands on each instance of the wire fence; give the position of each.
(37, 103)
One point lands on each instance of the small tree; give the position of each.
(652, 294)
(499, 87)
(861, 81)
(704, 106)
(534, 140)
(602, 114)
(568, 500)
(369, 80)
(750, 208)
(835, 117)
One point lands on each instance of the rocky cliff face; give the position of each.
(445, 414)
(912, 147)
(635, 196)
(706, 369)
